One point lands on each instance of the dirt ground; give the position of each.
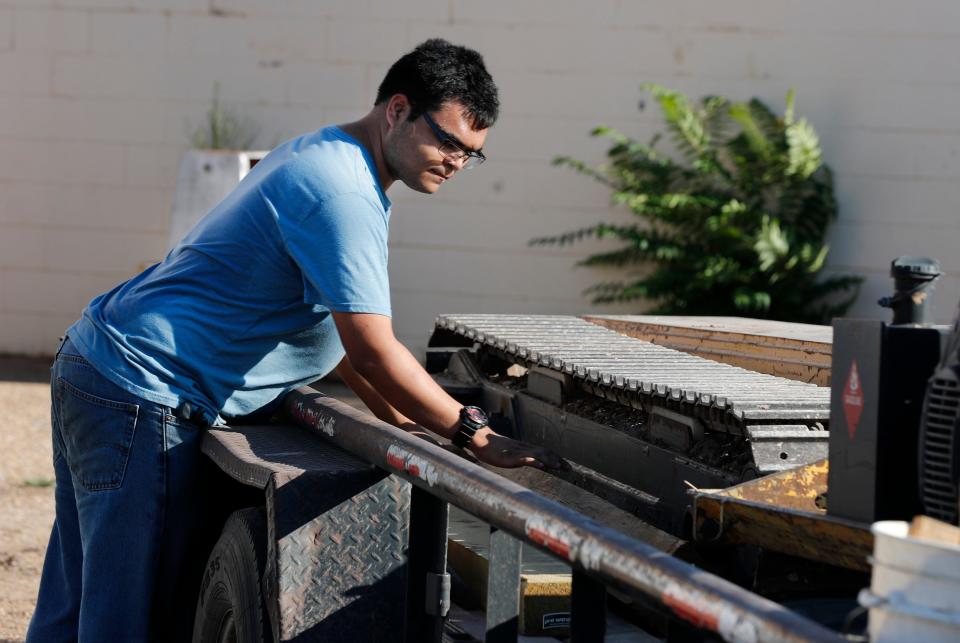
(26, 485)
(26, 490)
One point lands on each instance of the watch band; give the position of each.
(472, 419)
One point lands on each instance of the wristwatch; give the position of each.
(472, 419)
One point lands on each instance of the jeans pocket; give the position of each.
(97, 435)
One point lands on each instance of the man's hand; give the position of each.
(397, 389)
(500, 451)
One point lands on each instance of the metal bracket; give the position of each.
(549, 385)
(437, 599)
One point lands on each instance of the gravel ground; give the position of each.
(26, 489)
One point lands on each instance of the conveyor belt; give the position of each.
(734, 399)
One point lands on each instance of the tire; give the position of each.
(231, 607)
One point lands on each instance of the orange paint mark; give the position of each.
(690, 613)
(555, 545)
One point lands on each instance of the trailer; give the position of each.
(345, 538)
(713, 511)
(337, 527)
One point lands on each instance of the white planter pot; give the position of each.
(204, 178)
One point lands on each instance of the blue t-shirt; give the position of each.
(239, 313)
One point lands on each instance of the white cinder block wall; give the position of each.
(98, 97)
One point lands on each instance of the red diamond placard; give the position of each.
(853, 400)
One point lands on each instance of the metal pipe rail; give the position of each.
(598, 555)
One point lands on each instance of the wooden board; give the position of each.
(783, 512)
(794, 351)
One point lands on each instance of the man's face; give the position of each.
(412, 148)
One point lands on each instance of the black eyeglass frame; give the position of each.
(473, 158)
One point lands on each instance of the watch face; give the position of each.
(475, 414)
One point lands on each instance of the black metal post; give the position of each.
(503, 588)
(428, 585)
(588, 609)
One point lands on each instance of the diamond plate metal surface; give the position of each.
(337, 533)
(340, 575)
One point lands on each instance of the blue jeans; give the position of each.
(126, 472)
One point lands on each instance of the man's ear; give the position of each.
(398, 109)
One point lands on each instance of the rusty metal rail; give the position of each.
(599, 556)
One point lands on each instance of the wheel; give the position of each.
(231, 608)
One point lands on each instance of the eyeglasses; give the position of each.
(450, 148)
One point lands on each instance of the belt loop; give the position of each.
(63, 341)
(194, 416)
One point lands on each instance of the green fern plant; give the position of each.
(734, 227)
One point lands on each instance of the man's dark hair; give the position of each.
(438, 71)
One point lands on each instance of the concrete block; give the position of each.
(326, 85)
(190, 78)
(539, 12)
(270, 40)
(87, 163)
(255, 9)
(737, 55)
(412, 11)
(25, 73)
(152, 166)
(171, 78)
(191, 6)
(40, 292)
(6, 29)
(21, 246)
(490, 273)
(51, 30)
(110, 251)
(520, 137)
(82, 119)
(920, 107)
(280, 123)
(24, 203)
(431, 223)
(85, 206)
(527, 183)
(32, 334)
(284, 40)
(95, 4)
(111, 76)
(744, 14)
(368, 41)
(860, 247)
(598, 96)
(547, 48)
(130, 209)
(25, 160)
(892, 153)
(922, 202)
(129, 33)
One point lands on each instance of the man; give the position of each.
(282, 282)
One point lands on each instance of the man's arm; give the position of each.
(374, 401)
(397, 377)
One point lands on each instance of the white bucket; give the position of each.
(914, 593)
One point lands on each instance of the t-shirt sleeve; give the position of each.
(341, 249)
